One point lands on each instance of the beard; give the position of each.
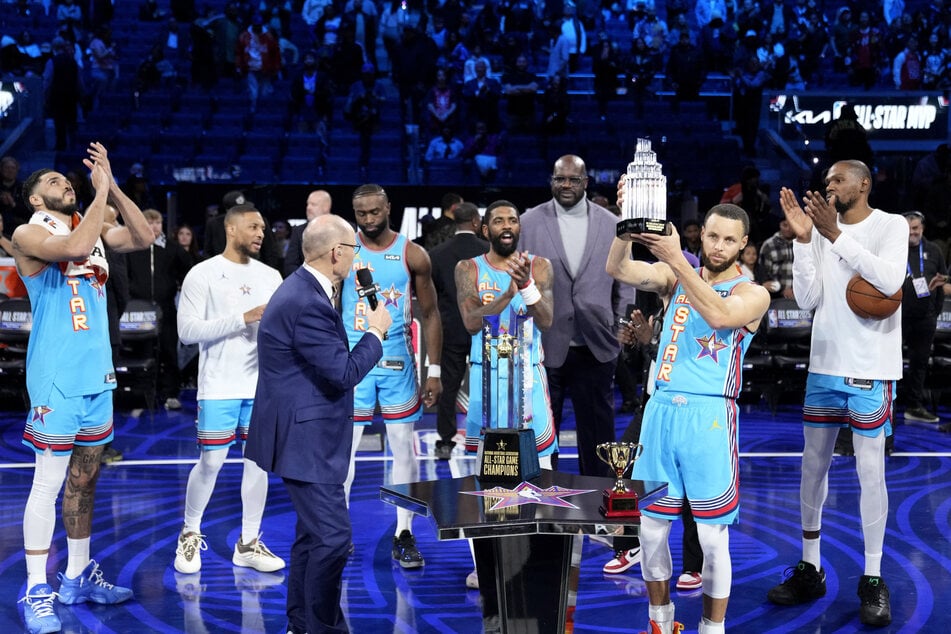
(374, 231)
(718, 268)
(57, 204)
(842, 206)
(249, 251)
(502, 249)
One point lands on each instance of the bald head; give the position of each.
(323, 233)
(318, 204)
(570, 162)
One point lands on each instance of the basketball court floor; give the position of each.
(140, 504)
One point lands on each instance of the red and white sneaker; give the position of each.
(623, 561)
(655, 629)
(689, 581)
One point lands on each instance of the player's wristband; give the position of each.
(531, 294)
(433, 371)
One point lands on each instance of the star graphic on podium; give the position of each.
(710, 346)
(501, 445)
(528, 493)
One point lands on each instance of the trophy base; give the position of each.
(643, 225)
(619, 504)
(508, 456)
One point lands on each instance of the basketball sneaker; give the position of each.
(623, 560)
(38, 612)
(803, 584)
(921, 415)
(876, 607)
(256, 555)
(188, 552)
(689, 581)
(655, 629)
(405, 551)
(90, 586)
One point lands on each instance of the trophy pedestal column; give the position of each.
(526, 582)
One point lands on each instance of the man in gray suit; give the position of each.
(581, 347)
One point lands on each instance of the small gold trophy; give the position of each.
(644, 209)
(619, 501)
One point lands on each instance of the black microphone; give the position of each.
(368, 288)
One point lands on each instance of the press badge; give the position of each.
(921, 287)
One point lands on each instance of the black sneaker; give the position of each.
(876, 607)
(405, 551)
(444, 449)
(803, 584)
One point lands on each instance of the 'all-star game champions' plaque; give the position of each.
(644, 209)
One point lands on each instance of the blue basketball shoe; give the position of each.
(90, 586)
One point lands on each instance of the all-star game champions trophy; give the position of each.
(644, 209)
(507, 451)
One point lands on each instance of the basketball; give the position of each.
(868, 302)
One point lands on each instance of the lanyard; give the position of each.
(921, 260)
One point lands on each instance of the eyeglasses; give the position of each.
(355, 247)
(574, 181)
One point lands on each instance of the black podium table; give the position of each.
(523, 536)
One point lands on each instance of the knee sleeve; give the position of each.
(39, 516)
(401, 438)
(873, 498)
(814, 483)
(717, 566)
(656, 564)
(210, 462)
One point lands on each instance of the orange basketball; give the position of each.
(868, 302)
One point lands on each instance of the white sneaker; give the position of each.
(256, 555)
(472, 580)
(188, 553)
(623, 561)
(689, 581)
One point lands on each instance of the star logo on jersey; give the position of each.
(710, 346)
(40, 412)
(99, 286)
(528, 493)
(245, 289)
(392, 296)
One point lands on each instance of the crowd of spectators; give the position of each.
(314, 51)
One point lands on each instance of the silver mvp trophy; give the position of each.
(507, 451)
(645, 194)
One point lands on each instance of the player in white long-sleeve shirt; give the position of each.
(853, 365)
(221, 303)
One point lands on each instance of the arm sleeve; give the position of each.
(807, 286)
(193, 324)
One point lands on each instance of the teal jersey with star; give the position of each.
(69, 341)
(391, 272)
(692, 357)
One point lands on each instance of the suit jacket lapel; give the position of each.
(554, 234)
(312, 282)
(592, 241)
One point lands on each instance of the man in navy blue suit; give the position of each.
(302, 425)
